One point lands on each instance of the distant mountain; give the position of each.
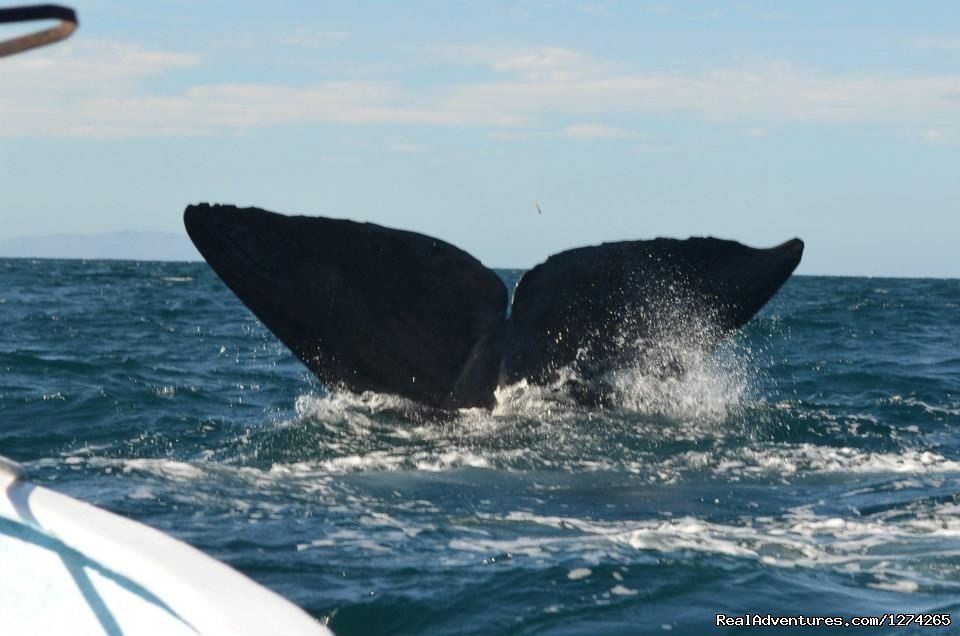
(128, 245)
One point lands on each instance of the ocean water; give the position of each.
(811, 466)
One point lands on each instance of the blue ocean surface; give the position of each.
(811, 466)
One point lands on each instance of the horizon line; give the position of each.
(492, 267)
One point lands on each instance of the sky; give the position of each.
(838, 122)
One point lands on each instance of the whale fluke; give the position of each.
(373, 308)
(596, 305)
(363, 306)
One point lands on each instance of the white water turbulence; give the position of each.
(684, 387)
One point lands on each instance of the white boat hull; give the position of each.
(72, 568)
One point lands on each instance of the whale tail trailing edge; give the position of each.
(373, 308)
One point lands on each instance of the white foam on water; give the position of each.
(712, 386)
(337, 405)
(450, 459)
(316, 543)
(538, 428)
(895, 554)
(167, 468)
(792, 459)
(141, 493)
(904, 586)
(388, 461)
(932, 409)
(523, 399)
(384, 520)
(86, 450)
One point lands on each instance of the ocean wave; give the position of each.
(952, 409)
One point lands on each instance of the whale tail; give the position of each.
(363, 306)
(371, 308)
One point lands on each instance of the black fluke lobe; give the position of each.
(372, 308)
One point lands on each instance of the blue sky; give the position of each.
(838, 122)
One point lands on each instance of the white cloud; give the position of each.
(599, 9)
(104, 89)
(596, 131)
(768, 16)
(651, 148)
(938, 137)
(394, 144)
(314, 39)
(516, 135)
(546, 64)
(765, 93)
(89, 65)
